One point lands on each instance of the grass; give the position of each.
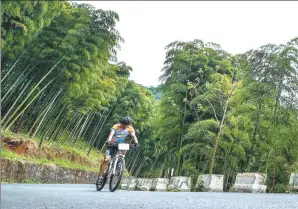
(6, 154)
(79, 151)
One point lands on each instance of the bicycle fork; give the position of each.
(118, 157)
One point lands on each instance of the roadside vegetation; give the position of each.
(62, 88)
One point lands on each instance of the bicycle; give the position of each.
(115, 168)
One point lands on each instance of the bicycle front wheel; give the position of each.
(116, 177)
(100, 182)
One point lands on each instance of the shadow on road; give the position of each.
(94, 190)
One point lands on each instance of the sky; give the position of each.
(148, 26)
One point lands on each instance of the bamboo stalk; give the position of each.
(133, 165)
(45, 107)
(56, 130)
(67, 126)
(13, 66)
(74, 130)
(52, 126)
(99, 132)
(42, 119)
(29, 94)
(82, 128)
(89, 123)
(25, 108)
(12, 106)
(95, 129)
(11, 87)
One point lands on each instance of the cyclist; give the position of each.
(118, 134)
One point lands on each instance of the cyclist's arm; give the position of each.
(134, 137)
(111, 135)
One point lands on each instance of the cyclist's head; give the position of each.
(125, 120)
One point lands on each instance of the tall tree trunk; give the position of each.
(218, 135)
(254, 139)
(18, 124)
(99, 131)
(181, 137)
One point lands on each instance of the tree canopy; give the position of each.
(213, 113)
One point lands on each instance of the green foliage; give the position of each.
(21, 21)
(241, 110)
(214, 113)
(199, 187)
(63, 81)
(157, 92)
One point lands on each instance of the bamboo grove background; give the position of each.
(213, 113)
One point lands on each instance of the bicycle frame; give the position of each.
(113, 170)
(113, 162)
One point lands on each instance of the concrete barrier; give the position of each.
(180, 183)
(250, 182)
(19, 171)
(128, 183)
(133, 184)
(294, 181)
(160, 184)
(144, 184)
(210, 183)
(124, 183)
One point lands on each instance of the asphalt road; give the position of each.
(78, 196)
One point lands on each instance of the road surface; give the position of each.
(85, 196)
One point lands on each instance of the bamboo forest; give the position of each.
(213, 113)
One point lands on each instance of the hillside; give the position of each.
(18, 147)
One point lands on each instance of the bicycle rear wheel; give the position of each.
(116, 178)
(100, 182)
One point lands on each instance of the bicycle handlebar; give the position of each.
(115, 144)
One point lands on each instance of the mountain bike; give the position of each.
(115, 168)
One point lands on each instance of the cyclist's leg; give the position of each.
(105, 162)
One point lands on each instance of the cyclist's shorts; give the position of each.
(110, 151)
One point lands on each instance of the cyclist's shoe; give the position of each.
(99, 180)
